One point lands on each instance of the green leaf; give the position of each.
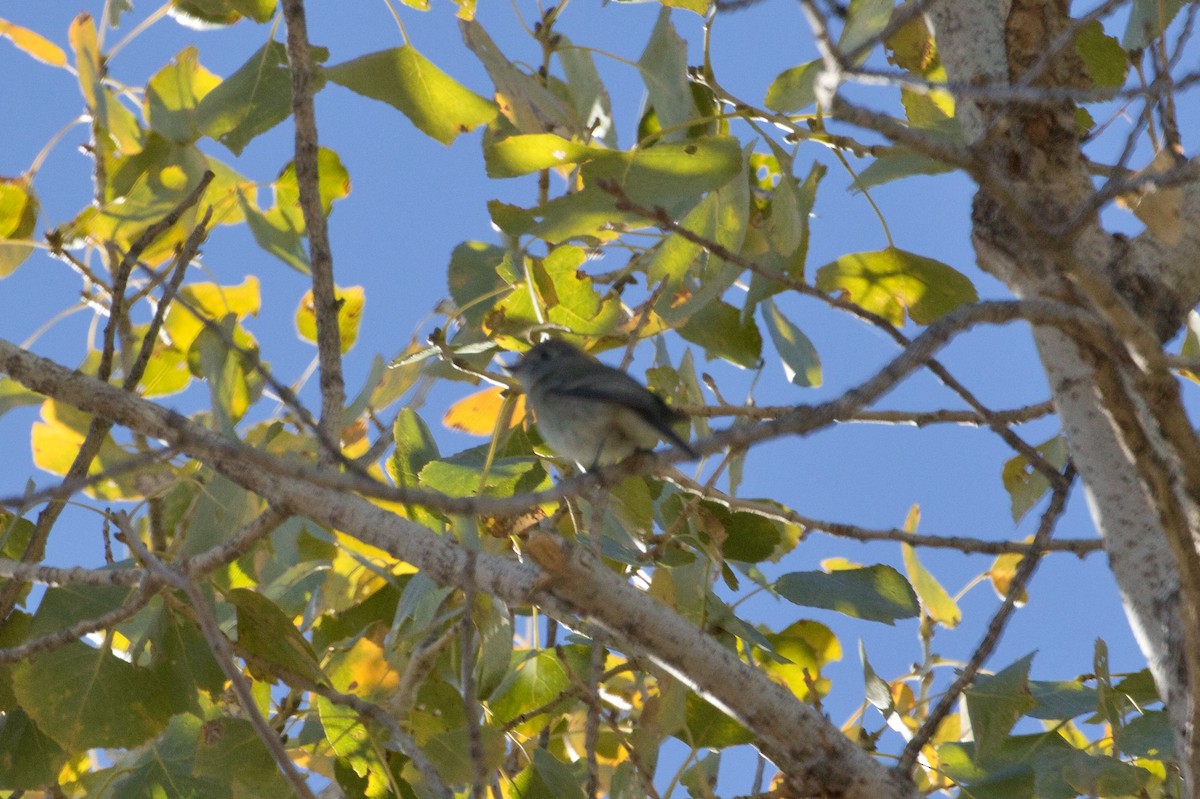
(671, 174)
(593, 107)
(473, 281)
(202, 14)
(31, 759)
(995, 702)
(124, 132)
(254, 99)
(875, 688)
(173, 96)
(521, 155)
(892, 281)
(874, 593)
(547, 777)
(450, 753)
(528, 105)
(65, 605)
(183, 661)
(940, 606)
(1105, 59)
(141, 189)
(415, 448)
(279, 236)
(18, 219)
(1147, 20)
(865, 20)
(438, 105)
(896, 164)
(461, 475)
(1062, 700)
(708, 727)
(14, 395)
(1146, 735)
(264, 631)
(801, 364)
(720, 330)
(794, 89)
(229, 751)
(537, 679)
(71, 693)
(257, 10)
(163, 767)
(1025, 484)
(663, 65)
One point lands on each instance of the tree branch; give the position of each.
(325, 301)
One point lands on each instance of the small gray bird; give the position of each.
(590, 412)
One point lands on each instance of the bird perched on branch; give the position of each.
(590, 412)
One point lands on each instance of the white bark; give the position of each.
(1157, 279)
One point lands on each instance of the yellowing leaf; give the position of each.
(479, 413)
(212, 301)
(1160, 208)
(349, 315)
(934, 599)
(33, 44)
(1001, 574)
(436, 103)
(892, 281)
(18, 218)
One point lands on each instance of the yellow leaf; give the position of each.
(479, 413)
(1002, 572)
(350, 310)
(33, 44)
(214, 302)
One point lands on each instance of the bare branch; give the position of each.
(325, 301)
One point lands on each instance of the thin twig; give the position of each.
(991, 637)
(325, 301)
(99, 427)
(138, 599)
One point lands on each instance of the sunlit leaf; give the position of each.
(438, 105)
(174, 93)
(18, 218)
(934, 598)
(794, 89)
(521, 155)
(213, 302)
(33, 44)
(478, 414)
(1001, 574)
(349, 315)
(893, 282)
